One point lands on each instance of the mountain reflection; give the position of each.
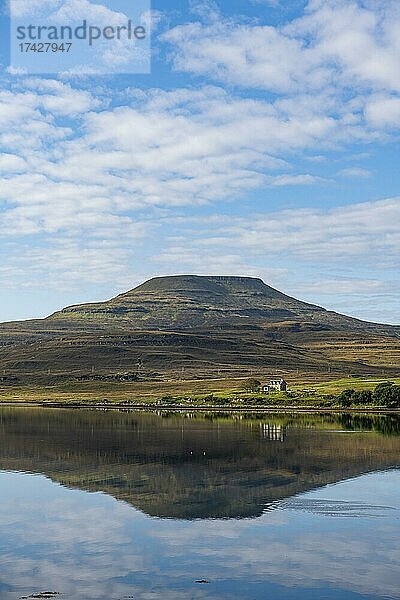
(196, 466)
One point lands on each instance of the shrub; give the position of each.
(362, 397)
(346, 398)
(252, 385)
(387, 394)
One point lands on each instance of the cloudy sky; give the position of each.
(264, 142)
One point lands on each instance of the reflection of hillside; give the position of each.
(193, 468)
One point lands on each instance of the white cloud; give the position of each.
(60, 98)
(345, 258)
(357, 172)
(105, 254)
(10, 163)
(16, 70)
(383, 111)
(166, 149)
(305, 179)
(27, 8)
(344, 286)
(152, 19)
(359, 231)
(169, 149)
(251, 56)
(70, 11)
(343, 54)
(103, 56)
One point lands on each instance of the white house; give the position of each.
(278, 385)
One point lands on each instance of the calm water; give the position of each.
(98, 505)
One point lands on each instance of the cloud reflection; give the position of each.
(88, 545)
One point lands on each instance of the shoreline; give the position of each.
(181, 408)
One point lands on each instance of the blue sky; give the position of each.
(264, 142)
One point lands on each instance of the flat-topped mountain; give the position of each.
(200, 324)
(190, 301)
(186, 301)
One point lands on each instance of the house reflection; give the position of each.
(273, 432)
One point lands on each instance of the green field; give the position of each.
(338, 385)
(194, 392)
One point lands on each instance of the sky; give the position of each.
(264, 141)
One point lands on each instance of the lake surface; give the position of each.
(112, 505)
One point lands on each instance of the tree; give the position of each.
(387, 394)
(349, 397)
(345, 402)
(346, 398)
(252, 385)
(362, 397)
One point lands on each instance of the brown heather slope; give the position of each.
(202, 325)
